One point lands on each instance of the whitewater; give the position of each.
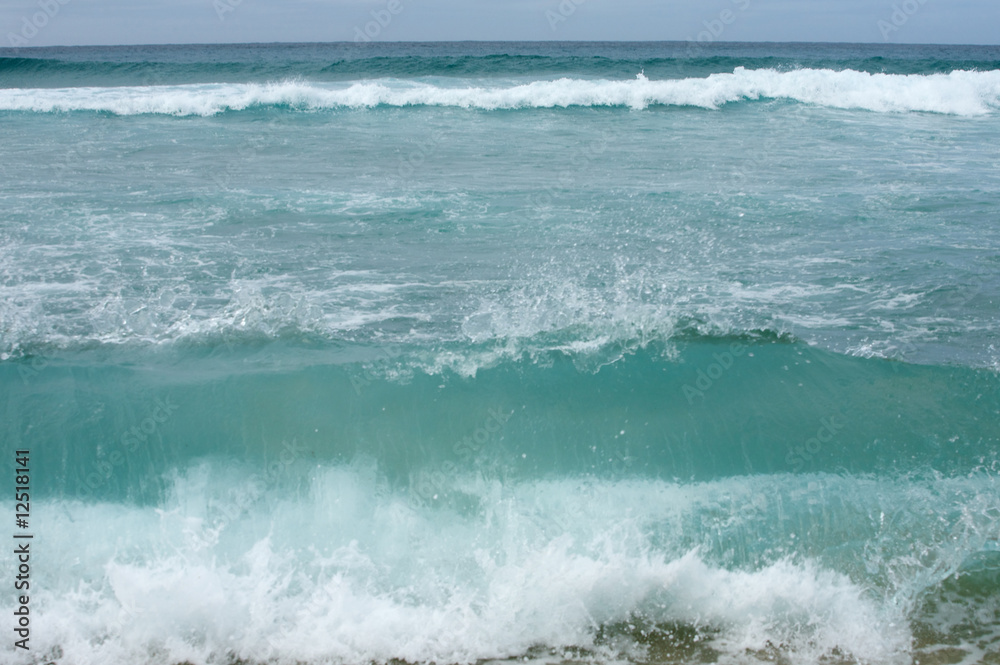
(965, 93)
(337, 354)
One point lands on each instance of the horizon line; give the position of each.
(493, 41)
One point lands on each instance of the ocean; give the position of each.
(605, 353)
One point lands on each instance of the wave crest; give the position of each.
(966, 93)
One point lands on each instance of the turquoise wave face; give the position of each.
(456, 353)
(716, 408)
(848, 504)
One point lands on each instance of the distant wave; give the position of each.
(965, 93)
(681, 61)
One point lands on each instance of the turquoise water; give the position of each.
(647, 353)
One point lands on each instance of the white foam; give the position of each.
(959, 93)
(350, 571)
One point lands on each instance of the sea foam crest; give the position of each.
(283, 579)
(958, 93)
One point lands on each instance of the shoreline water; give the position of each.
(474, 353)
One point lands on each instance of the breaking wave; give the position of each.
(966, 93)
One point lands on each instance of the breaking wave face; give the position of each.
(966, 93)
(543, 563)
(785, 508)
(375, 365)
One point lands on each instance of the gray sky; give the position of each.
(72, 22)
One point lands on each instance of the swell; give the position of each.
(20, 72)
(691, 61)
(711, 408)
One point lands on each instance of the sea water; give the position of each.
(644, 353)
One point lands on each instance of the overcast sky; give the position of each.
(72, 22)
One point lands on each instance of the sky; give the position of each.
(26, 23)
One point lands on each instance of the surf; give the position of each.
(962, 93)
